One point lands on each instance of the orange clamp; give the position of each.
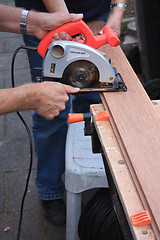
(141, 218)
(75, 117)
(102, 116)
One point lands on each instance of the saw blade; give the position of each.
(81, 74)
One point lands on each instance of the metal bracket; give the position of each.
(89, 130)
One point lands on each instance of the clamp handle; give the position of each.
(78, 117)
(73, 28)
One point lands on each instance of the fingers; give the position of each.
(65, 36)
(64, 18)
(70, 89)
(62, 36)
(56, 37)
(72, 17)
(49, 21)
(76, 17)
(51, 113)
(52, 97)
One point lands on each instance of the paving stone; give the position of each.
(2, 192)
(10, 222)
(6, 35)
(2, 124)
(21, 76)
(20, 62)
(2, 79)
(16, 186)
(32, 226)
(8, 2)
(11, 44)
(5, 61)
(55, 232)
(2, 45)
(15, 127)
(15, 156)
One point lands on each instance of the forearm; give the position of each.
(15, 99)
(38, 23)
(55, 6)
(115, 17)
(10, 18)
(46, 98)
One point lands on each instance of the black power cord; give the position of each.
(29, 137)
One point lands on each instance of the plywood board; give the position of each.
(137, 128)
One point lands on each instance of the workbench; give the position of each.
(114, 159)
(130, 143)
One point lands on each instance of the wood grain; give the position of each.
(137, 128)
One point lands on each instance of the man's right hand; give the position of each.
(50, 98)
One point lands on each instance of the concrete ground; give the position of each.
(14, 157)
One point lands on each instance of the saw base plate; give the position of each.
(117, 86)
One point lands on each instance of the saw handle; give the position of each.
(73, 28)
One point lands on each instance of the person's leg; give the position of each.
(49, 137)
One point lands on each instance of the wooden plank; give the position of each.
(156, 104)
(126, 188)
(137, 128)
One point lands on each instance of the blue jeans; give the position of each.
(50, 136)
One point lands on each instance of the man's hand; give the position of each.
(47, 98)
(64, 36)
(40, 23)
(50, 98)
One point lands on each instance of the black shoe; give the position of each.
(54, 211)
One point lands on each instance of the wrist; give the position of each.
(119, 5)
(35, 24)
(117, 11)
(31, 23)
(28, 93)
(23, 22)
(118, 1)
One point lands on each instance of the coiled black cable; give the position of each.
(98, 220)
(29, 136)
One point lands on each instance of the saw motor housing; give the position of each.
(76, 64)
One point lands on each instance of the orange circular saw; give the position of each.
(79, 64)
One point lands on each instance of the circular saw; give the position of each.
(79, 64)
